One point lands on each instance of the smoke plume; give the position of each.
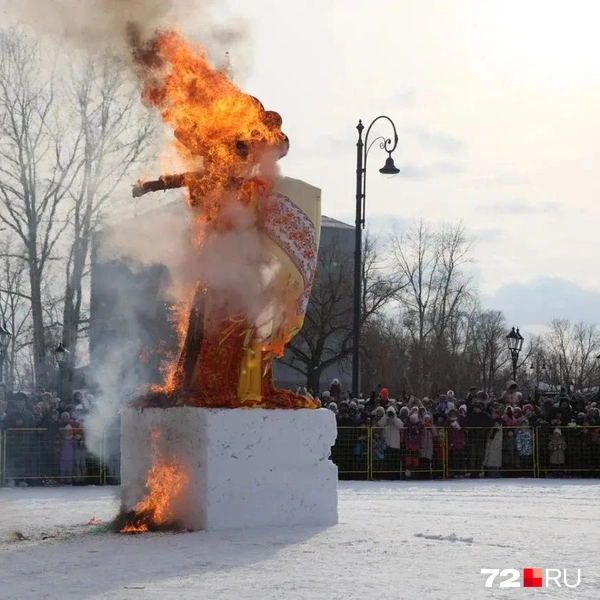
(93, 25)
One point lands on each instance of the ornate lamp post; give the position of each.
(5, 336)
(61, 354)
(389, 168)
(514, 341)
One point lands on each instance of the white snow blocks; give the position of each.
(246, 468)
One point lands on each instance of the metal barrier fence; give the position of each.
(48, 456)
(442, 453)
(43, 456)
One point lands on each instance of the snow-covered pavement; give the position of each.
(397, 540)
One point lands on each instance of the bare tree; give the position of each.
(15, 311)
(431, 262)
(114, 135)
(570, 350)
(37, 168)
(488, 346)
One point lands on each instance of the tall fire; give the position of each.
(243, 309)
(229, 145)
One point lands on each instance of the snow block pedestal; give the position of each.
(246, 467)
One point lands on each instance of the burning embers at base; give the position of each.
(166, 482)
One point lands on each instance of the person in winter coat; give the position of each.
(525, 446)
(510, 456)
(67, 456)
(478, 424)
(429, 438)
(492, 460)
(335, 390)
(441, 405)
(412, 440)
(566, 412)
(377, 440)
(391, 426)
(457, 443)
(472, 395)
(511, 395)
(557, 447)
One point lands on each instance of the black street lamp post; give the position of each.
(362, 152)
(514, 341)
(5, 336)
(62, 358)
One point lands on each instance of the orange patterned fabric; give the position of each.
(223, 375)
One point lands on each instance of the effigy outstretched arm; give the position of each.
(163, 183)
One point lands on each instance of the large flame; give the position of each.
(229, 145)
(166, 480)
(223, 135)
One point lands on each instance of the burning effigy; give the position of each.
(188, 460)
(230, 144)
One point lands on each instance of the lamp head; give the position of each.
(389, 168)
(61, 353)
(512, 340)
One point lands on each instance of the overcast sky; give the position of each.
(496, 104)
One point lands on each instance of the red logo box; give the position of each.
(532, 577)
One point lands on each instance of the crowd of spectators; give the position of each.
(44, 437)
(476, 435)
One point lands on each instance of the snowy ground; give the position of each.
(421, 540)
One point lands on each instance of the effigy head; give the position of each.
(269, 137)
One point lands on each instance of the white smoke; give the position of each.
(94, 25)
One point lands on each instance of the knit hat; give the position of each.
(384, 394)
(427, 417)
